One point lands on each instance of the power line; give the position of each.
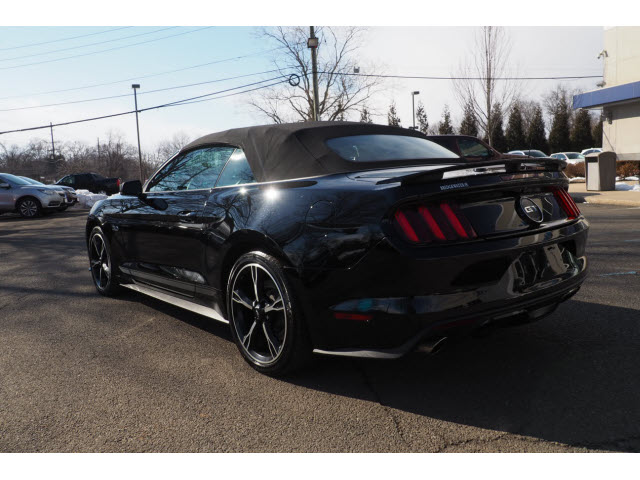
(176, 103)
(141, 93)
(105, 50)
(86, 45)
(62, 39)
(213, 62)
(422, 77)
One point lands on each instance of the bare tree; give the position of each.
(340, 92)
(479, 83)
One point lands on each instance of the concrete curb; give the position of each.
(599, 199)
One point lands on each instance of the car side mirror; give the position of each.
(6, 186)
(131, 188)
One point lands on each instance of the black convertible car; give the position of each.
(343, 239)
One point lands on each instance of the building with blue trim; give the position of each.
(619, 97)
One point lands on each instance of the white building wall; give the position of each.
(621, 129)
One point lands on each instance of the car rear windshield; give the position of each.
(575, 156)
(382, 148)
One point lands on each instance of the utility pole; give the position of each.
(413, 106)
(53, 152)
(135, 87)
(312, 43)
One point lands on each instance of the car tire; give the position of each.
(102, 264)
(63, 208)
(29, 207)
(266, 324)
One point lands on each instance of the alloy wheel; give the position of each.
(258, 314)
(28, 208)
(100, 261)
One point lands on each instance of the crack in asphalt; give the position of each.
(378, 399)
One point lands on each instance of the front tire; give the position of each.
(101, 264)
(29, 207)
(266, 325)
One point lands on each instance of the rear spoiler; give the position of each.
(510, 165)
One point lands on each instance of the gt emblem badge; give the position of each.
(529, 211)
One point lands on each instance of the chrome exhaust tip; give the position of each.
(431, 346)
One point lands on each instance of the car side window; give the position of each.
(472, 148)
(68, 180)
(194, 170)
(237, 171)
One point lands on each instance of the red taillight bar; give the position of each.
(359, 317)
(566, 202)
(406, 227)
(436, 223)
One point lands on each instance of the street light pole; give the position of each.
(135, 87)
(312, 43)
(413, 106)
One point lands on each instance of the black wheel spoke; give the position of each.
(241, 298)
(272, 341)
(246, 340)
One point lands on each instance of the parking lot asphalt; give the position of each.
(84, 373)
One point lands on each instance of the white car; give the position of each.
(569, 157)
(587, 151)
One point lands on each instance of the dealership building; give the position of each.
(619, 96)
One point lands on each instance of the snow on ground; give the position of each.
(627, 188)
(87, 199)
(576, 180)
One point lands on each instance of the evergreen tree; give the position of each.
(597, 134)
(581, 137)
(446, 127)
(421, 118)
(559, 135)
(536, 139)
(498, 140)
(469, 125)
(514, 134)
(365, 116)
(392, 116)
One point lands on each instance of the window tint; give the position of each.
(7, 177)
(193, 170)
(472, 148)
(380, 148)
(68, 180)
(237, 171)
(575, 156)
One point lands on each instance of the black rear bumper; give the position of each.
(441, 291)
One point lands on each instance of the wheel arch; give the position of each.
(245, 241)
(24, 197)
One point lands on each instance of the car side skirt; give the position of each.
(178, 302)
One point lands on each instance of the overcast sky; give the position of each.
(536, 51)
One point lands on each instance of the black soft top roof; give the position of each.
(297, 150)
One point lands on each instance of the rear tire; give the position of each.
(101, 264)
(266, 324)
(29, 207)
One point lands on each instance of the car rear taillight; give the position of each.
(434, 223)
(118, 183)
(566, 202)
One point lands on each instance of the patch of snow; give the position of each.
(577, 180)
(627, 188)
(87, 199)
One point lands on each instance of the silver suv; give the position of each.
(28, 200)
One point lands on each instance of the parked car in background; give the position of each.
(588, 151)
(342, 238)
(569, 157)
(19, 195)
(468, 147)
(93, 182)
(71, 198)
(529, 153)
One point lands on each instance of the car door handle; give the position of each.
(187, 216)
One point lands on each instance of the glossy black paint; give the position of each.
(342, 252)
